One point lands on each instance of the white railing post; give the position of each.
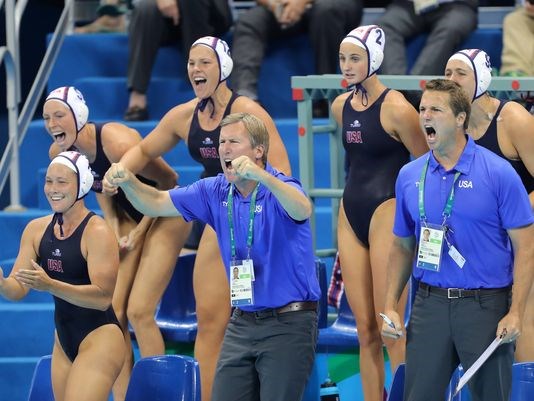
(13, 100)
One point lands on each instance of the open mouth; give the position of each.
(228, 164)
(430, 132)
(59, 137)
(199, 81)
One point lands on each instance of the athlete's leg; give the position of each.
(99, 362)
(212, 297)
(162, 246)
(358, 280)
(61, 365)
(129, 260)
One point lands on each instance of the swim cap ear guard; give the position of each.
(222, 51)
(80, 165)
(479, 61)
(372, 39)
(73, 99)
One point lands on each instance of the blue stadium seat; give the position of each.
(41, 386)
(164, 378)
(342, 333)
(176, 317)
(396, 392)
(523, 381)
(522, 384)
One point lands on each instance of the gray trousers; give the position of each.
(447, 27)
(445, 332)
(149, 30)
(327, 22)
(267, 358)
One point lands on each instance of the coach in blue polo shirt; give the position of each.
(261, 220)
(480, 248)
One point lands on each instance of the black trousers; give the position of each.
(267, 358)
(444, 332)
(149, 30)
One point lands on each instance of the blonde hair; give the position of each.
(257, 131)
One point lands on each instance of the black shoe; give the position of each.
(136, 113)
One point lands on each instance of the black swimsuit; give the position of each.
(100, 165)
(63, 261)
(374, 158)
(203, 145)
(489, 141)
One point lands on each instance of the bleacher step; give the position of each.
(27, 329)
(15, 377)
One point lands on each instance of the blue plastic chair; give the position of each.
(522, 381)
(164, 378)
(41, 386)
(396, 392)
(176, 317)
(342, 333)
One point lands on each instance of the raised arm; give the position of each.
(118, 140)
(160, 140)
(146, 199)
(295, 202)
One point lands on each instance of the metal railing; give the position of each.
(306, 89)
(18, 124)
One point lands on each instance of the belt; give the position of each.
(453, 293)
(291, 307)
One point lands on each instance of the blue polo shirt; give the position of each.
(282, 249)
(489, 199)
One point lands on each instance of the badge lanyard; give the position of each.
(421, 199)
(250, 233)
(429, 254)
(241, 288)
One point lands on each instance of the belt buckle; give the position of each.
(454, 293)
(264, 314)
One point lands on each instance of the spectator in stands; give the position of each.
(148, 247)
(326, 21)
(379, 131)
(110, 18)
(155, 23)
(481, 222)
(518, 30)
(447, 23)
(269, 345)
(73, 256)
(506, 128)
(197, 124)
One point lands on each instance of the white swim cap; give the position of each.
(74, 100)
(80, 165)
(372, 39)
(221, 49)
(479, 61)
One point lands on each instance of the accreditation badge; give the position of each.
(241, 278)
(430, 247)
